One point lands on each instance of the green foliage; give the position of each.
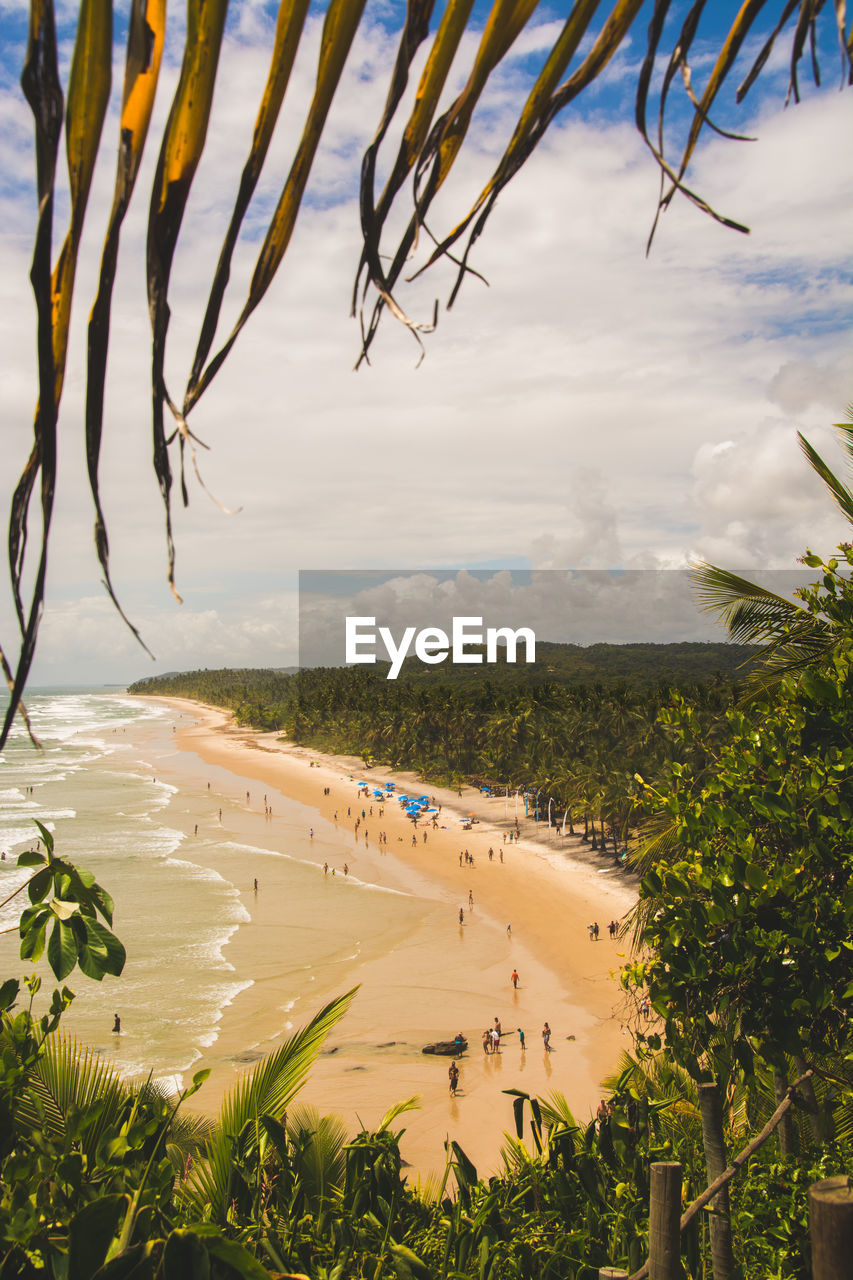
(749, 924)
(231, 1182)
(65, 903)
(577, 735)
(770, 1213)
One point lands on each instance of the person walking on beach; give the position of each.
(546, 1037)
(470, 897)
(487, 1041)
(256, 886)
(498, 1028)
(521, 1039)
(453, 1077)
(595, 930)
(311, 832)
(117, 1025)
(346, 869)
(514, 978)
(461, 916)
(325, 868)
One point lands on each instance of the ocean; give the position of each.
(178, 845)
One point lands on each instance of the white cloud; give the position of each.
(574, 411)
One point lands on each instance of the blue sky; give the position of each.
(590, 408)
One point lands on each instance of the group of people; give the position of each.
(492, 1038)
(612, 928)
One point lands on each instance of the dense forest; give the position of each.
(577, 746)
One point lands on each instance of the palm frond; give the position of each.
(556, 1110)
(266, 1089)
(753, 614)
(398, 1109)
(839, 491)
(68, 1081)
(430, 1189)
(318, 1153)
(514, 1155)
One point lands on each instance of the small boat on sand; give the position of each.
(447, 1048)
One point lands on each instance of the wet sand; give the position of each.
(432, 977)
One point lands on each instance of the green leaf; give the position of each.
(31, 858)
(39, 885)
(46, 837)
(412, 1261)
(63, 909)
(91, 1233)
(62, 949)
(32, 936)
(235, 1256)
(185, 1257)
(100, 951)
(9, 993)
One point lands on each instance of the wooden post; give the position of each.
(665, 1221)
(831, 1227)
(720, 1227)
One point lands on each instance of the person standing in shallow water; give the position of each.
(117, 1025)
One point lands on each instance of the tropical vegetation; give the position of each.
(572, 749)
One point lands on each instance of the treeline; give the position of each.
(577, 748)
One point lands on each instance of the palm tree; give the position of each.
(430, 143)
(794, 636)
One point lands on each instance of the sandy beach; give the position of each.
(427, 976)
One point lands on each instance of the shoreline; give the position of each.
(437, 977)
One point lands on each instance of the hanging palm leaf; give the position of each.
(145, 37)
